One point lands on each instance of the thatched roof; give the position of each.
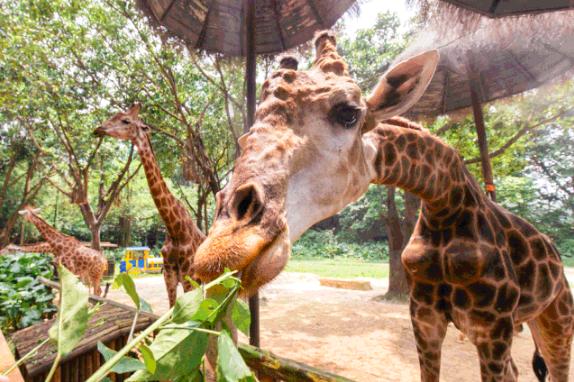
(497, 8)
(219, 25)
(507, 56)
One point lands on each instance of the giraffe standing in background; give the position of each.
(86, 263)
(183, 235)
(43, 247)
(315, 147)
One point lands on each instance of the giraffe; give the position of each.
(43, 247)
(86, 263)
(183, 235)
(316, 146)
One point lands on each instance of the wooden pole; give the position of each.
(250, 76)
(474, 85)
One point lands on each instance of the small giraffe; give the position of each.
(86, 263)
(315, 147)
(183, 235)
(43, 247)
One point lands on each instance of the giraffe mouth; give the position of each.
(100, 131)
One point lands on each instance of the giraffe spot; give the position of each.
(518, 248)
(443, 305)
(525, 300)
(469, 198)
(544, 283)
(424, 313)
(463, 263)
(423, 265)
(423, 293)
(461, 298)
(390, 154)
(502, 329)
(524, 227)
(401, 142)
(538, 248)
(411, 137)
(465, 225)
(482, 292)
(455, 196)
(506, 298)
(500, 216)
(412, 151)
(482, 316)
(484, 349)
(555, 269)
(394, 175)
(484, 229)
(527, 275)
(496, 367)
(446, 236)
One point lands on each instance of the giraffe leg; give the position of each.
(552, 332)
(429, 328)
(170, 278)
(493, 343)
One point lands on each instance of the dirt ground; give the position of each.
(348, 333)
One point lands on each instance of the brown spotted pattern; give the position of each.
(472, 262)
(183, 235)
(86, 263)
(315, 147)
(43, 247)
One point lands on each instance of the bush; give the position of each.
(326, 244)
(24, 301)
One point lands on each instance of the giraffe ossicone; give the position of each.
(315, 147)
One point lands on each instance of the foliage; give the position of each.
(326, 244)
(24, 301)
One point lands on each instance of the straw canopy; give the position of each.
(220, 26)
(497, 8)
(502, 57)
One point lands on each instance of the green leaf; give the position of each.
(241, 316)
(178, 351)
(125, 365)
(72, 319)
(187, 306)
(148, 358)
(145, 306)
(230, 365)
(193, 283)
(125, 280)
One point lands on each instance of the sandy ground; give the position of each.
(348, 333)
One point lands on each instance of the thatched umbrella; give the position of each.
(484, 59)
(498, 8)
(244, 28)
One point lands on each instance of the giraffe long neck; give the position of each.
(54, 237)
(43, 247)
(422, 164)
(180, 226)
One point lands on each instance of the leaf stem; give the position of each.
(54, 367)
(29, 355)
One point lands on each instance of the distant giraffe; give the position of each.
(315, 147)
(86, 263)
(43, 247)
(183, 235)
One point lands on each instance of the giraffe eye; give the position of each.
(345, 115)
(125, 121)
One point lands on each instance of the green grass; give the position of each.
(339, 268)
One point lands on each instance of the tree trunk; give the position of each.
(397, 280)
(95, 230)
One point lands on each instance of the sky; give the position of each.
(369, 11)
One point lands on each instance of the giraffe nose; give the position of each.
(100, 131)
(247, 202)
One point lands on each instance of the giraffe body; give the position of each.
(315, 147)
(86, 263)
(183, 235)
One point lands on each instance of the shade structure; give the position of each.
(500, 8)
(503, 56)
(244, 28)
(220, 26)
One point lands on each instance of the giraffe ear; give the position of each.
(242, 140)
(401, 87)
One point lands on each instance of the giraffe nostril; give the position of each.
(247, 202)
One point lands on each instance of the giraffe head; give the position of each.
(28, 211)
(303, 160)
(124, 125)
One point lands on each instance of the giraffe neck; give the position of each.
(43, 247)
(55, 238)
(422, 164)
(174, 215)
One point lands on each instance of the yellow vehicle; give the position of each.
(138, 260)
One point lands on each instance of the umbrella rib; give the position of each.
(279, 30)
(167, 10)
(444, 91)
(523, 68)
(493, 7)
(316, 12)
